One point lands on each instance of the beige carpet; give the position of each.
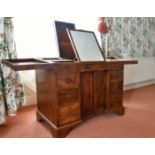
(138, 121)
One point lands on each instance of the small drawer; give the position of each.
(93, 66)
(65, 69)
(68, 114)
(116, 75)
(68, 82)
(68, 95)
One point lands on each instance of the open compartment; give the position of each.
(26, 64)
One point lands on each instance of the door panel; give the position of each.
(87, 93)
(99, 91)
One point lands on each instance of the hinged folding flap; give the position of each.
(26, 64)
(64, 45)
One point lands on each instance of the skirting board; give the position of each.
(139, 84)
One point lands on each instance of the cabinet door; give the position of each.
(87, 93)
(99, 91)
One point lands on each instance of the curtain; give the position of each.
(131, 35)
(11, 87)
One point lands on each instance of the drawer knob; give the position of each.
(69, 113)
(87, 66)
(68, 96)
(68, 80)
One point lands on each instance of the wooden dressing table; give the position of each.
(69, 91)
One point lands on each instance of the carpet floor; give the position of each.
(138, 121)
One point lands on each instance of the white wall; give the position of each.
(35, 36)
(29, 79)
(142, 73)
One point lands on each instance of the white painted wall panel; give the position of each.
(143, 71)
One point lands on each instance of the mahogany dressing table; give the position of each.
(70, 91)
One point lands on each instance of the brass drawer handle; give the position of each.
(69, 113)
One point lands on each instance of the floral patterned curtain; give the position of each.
(131, 35)
(11, 88)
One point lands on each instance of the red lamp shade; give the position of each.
(102, 26)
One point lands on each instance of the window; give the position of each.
(35, 36)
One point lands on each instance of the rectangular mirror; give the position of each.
(85, 45)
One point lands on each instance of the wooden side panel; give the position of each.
(87, 93)
(99, 91)
(116, 90)
(46, 94)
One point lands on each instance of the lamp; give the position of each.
(102, 26)
(103, 29)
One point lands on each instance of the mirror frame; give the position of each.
(74, 46)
